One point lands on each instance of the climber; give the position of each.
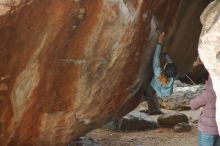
(163, 79)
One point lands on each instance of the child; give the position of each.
(163, 79)
(208, 131)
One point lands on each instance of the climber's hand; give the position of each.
(161, 38)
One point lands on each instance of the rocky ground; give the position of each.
(159, 137)
(140, 129)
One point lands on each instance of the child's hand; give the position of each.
(161, 38)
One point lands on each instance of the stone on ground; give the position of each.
(134, 121)
(171, 119)
(182, 127)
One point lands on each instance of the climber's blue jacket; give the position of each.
(161, 90)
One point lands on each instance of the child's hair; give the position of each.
(163, 79)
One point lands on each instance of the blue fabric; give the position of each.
(168, 59)
(161, 90)
(208, 140)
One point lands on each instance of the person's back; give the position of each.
(207, 99)
(207, 123)
(162, 90)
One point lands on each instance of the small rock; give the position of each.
(171, 119)
(136, 121)
(182, 127)
(136, 124)
(133, 121)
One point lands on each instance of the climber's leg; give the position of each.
(153, 102)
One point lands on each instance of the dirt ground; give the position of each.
(158, 137)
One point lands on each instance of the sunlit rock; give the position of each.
(209, 48)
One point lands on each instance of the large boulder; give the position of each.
(68, 66)
(209, 49)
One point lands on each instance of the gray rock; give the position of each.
(133, 121)
(181, 96)
(136, 121)
(182, 127)
(178, 102)
(178, 83)
(171, 119)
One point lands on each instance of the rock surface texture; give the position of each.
(68, 66)
(180, 99)
(209, 48)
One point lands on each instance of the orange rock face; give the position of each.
(67, 67)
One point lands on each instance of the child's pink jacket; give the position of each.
(207, 100)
